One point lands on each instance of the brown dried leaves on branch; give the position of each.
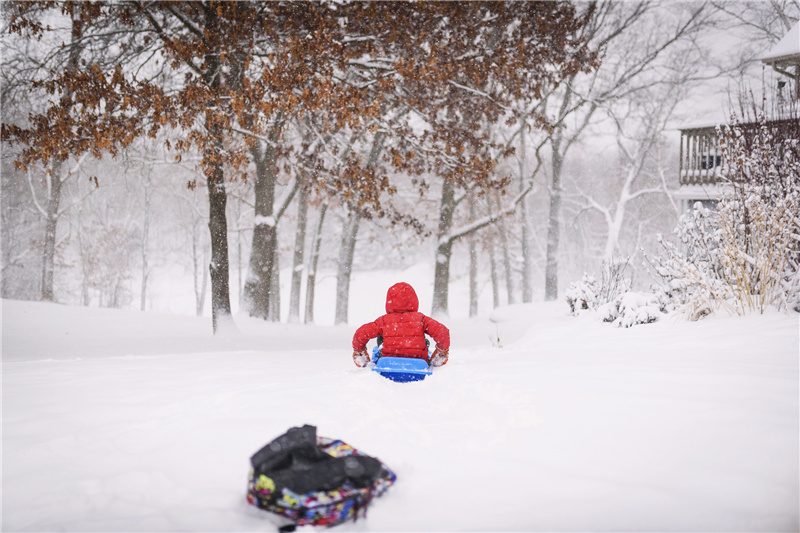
(353, 68)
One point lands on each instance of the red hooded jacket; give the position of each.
(403, 328)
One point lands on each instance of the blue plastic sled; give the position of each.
(402, 369)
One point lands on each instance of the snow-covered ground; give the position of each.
(128, 421)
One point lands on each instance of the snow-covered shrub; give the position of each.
(760, 220)
(632, 308)
(745, 256)
(590, 293)
(691, 272)
(582, 295)
(611, 298)
(759, 255)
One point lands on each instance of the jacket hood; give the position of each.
(401, 298)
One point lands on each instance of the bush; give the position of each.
(692, 281)
(590, 293)
(631, 308)
(745, 256)
(611, 298)
(582, 295)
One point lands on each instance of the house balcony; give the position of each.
(701, 158)
(700, 166)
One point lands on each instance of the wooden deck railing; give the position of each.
(701, 158)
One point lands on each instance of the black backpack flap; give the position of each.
(297, 447)
(356, 471)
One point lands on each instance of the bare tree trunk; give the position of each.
(54, 181)
(148, 180)
(85, 298)
(218, 226)
(493, 261)
(554, 220)
(239, 269)
(275, 287)
(311, 280)
(473, 278)
(299, 253)
(257, 288)
(473, 265)
(347, 251)
(444, 251)
(511, 297)
(527, 256)
(447, 236)
(527, 259)
(551, 268)
(239, 264)
(346, 254)
(51, 225)
(217, 198)
(495, 282)
(83, 256)
(201, 302)
(200, 274)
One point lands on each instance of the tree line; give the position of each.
(230, 78)
(355, 106)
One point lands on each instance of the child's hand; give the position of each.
(439, 357)
(360, 358)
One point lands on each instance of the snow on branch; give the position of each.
(77, 166)
(36, 203)
(189, 24)
(254, 135)
(481, 93)
(373, 64)
(284, 202)
(491, 218)
(260, 220)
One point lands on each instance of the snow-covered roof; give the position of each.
(697, 125)
(787, 51)
(708, 191)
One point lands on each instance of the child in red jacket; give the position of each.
(403, 329)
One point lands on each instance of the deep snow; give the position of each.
(127, 421)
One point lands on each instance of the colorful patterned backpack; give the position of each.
(315, 480)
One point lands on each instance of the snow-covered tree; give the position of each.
(633, 37)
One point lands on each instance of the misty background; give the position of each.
(132, 231)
